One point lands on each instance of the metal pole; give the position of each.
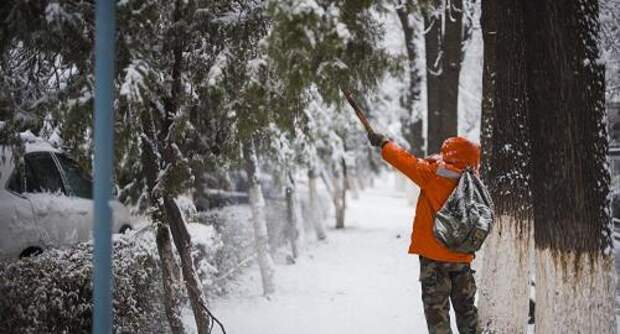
(105, 26)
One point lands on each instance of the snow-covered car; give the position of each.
(46, 201)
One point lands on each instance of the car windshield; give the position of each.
(42, 173)
(78, 181)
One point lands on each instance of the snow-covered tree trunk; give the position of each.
(166, 212)
(340, 193)
(183, 243)
(294, 229)
(575, 277)
(504, 289)
(315, 209)
(259, 222)
(170, 274)
(504, 286)
(574, 294)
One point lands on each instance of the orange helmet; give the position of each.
(460, 153)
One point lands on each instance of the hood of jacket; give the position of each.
(458, 153)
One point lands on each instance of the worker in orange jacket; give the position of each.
(444, 275)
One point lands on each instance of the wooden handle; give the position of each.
(358, 111)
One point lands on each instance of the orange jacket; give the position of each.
(457, 153)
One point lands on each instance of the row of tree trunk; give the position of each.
(337, 183)
(545, 163)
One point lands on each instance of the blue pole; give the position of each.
(105, 26)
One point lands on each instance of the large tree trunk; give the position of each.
(444, 54)
(504, 291)
(412, 126)
(570, 179)
(488, 23)
(257, 204)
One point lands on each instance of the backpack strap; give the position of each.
(445, 172)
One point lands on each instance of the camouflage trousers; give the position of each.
(443, 282)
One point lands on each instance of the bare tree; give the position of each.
(575, 276)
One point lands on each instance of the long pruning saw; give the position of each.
(358, 110)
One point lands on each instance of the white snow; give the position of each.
(505, 272)
(133, 81)
(560, 290)
(360, 281)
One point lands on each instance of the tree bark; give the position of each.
(488, 23)
(570, 180)
(170, 270)
(257, 204)
(183, 243)
(504, 291)
(444, 54)
(170, 274)
(316, 220)
(411, 125)
(167, 215)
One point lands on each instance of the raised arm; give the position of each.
(418, 170)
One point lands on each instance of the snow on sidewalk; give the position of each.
(360, 281)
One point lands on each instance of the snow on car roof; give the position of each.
(34, 143)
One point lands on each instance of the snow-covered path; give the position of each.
(360, 281)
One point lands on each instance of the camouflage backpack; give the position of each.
(466, 218)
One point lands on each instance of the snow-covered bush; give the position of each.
(232, 226)
(52, 292)
(206, 243)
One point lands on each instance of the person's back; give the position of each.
(444, 274)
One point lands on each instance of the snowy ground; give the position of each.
(360, 281)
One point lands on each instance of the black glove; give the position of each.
(377, 139)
